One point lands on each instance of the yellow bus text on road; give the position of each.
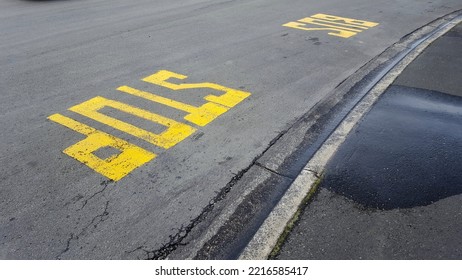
(131, 156)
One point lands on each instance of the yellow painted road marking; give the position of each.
(347, 26)
(114, 167)
(230, 98)
(132, 156)
(175, 132)
(338, 26)
(339, 32)
(323, 23)
(197, 115)
(348, 21)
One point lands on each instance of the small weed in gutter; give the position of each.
(291, 224)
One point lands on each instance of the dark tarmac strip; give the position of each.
(393, 189)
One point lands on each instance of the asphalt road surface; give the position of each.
(97, 163)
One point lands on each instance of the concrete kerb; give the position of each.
(266, 238)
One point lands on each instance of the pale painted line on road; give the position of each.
(273, 227)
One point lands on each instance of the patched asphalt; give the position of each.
(394, 188)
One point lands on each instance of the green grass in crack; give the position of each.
(291, 224)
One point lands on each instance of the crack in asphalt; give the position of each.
(316, 174)
(176, 239)
(105, 184)
(273, 172)
(102, 217)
